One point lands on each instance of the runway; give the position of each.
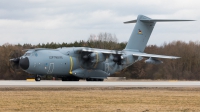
(24, 83)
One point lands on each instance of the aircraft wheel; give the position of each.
(88, 79)
(70, 79)
(95, 79)
(77, 79)
(74, 79)
(37, 78)
(92, 79)
(100, 79)
(63, 79)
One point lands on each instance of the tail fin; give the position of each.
(142, 31)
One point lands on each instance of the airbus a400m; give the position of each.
(92, 64)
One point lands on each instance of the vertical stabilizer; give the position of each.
(142, 31)
(140, 34)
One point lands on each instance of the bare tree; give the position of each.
(103, 41)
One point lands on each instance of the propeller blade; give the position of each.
(15, 58)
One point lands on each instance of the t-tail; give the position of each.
(142, 31)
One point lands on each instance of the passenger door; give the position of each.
(51, 68)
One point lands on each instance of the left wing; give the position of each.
(38, 49)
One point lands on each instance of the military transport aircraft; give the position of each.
(92, 64)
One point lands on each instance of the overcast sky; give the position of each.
(42, 21)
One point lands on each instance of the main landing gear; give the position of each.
(70, 79)
(77, 79)
(92, 79)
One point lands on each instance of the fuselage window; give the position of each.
(27, 54)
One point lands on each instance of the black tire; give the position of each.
(92, 79)
(100, 79)
(63, 79)
(70, 79)
(77, 79)
(37, 78)
(88, 79)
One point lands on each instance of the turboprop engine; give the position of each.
(127, 59)
(97, 57)
(153, 61)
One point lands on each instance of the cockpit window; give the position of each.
(27, 54)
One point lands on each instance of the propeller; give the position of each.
(117, 61)
(117, 58)
(86, 57)
(15, 58)
(86, 60)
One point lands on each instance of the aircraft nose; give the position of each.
(24, 63)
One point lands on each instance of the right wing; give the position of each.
(105, 51)
(139, 54)
(154, 55)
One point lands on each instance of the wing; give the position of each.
(105, 51)
(154, 55)
(38, 49)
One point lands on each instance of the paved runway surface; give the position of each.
(24, 83)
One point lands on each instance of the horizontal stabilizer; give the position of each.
(163, 20)
(156, 20)
(132, 21)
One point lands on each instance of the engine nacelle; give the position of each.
(97, 57)
(153, 61)
(127, 59)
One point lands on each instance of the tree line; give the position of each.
(185, 68)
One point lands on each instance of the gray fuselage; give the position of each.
(64, 62)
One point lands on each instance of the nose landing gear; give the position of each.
(37, 78)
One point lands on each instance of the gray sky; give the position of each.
(42, 21)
